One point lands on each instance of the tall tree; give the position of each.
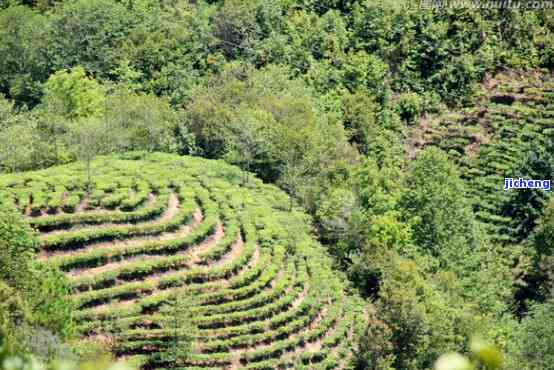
(88, 138)
(73, 95)
(436, 205)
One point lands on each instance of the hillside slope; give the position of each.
(508, 132)
(263, 293)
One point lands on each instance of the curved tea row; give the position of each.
(263, 295)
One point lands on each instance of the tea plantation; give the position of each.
(512, 118)
(141, 231)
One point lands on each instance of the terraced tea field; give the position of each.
(514, 114)
(263, 293)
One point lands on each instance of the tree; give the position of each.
(409, 106)
(374, 350)
(23, 66)
(50, 301)
(540, 280)
(7, 112)
(291, 181)
(17, 247)
(16, 146)
(236, 27)
(92, 34)
(141, 122)
(177, 321)
(359, 119)
(14, 314)
(73, 95)
(35, 296)
(278, 124)
(436, 206)
(426, 318)
(33, 140)
(335, 214)
(533, 346)
(88, 138)
(445, 228)
(21, 359)
(483, 356)
(249, 141)
(17, 137)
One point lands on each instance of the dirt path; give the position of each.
(316, 345)
(237, 353)
(129, 261)
(155, 278)
(132, 241)
(344, 361)
(170, 212)
(197, 251)
(183, 232)
(223, 283)
(83, 205)
(312, 347)
(74, 274)
(235, 252)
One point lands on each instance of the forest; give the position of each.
(275, 184)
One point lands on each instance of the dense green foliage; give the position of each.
(535, 344)
(18, 245)
(35, 297)
(10, 360)
(435, 278)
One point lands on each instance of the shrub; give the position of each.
(17, 247)
(409, 106)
